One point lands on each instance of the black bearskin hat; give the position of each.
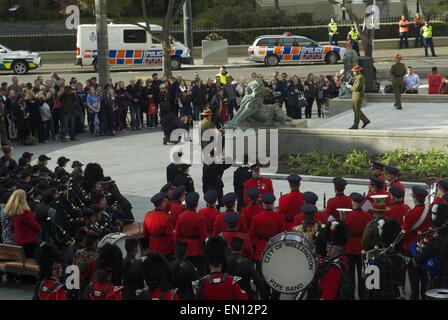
(439, 214)
(388, 230)
(156, 271)
(335, 233)
(215, 251)
(46, 256)
(92, 174)
(110, 260)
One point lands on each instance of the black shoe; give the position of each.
(353, 128)
(399, 108)
(364, 124)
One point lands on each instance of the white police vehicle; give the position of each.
(20, 62)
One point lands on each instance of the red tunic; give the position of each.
(356, 222)
(157, 294)
(105, 291)
(176, 208)
(265, 225)
(247, 251)
(318, 216)
(191, 228)
(51, 289)
(330, 282)
(339, 201)
(221, 226)
(209, 214)
(437, 200)
(217, 286)
(409, 220)
(289, 206)
(158, 227)
(264, 185)
(247, 213)
(397, 211)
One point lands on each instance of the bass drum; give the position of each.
(437, 294)
(288, 263)
(119, 240)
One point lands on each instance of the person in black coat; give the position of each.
(294, 91)
(132, 270)
(184, 179)
(240, 176)
(212, 179)
(199, 95)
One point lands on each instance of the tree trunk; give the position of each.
(102, 43)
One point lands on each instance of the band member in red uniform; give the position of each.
(177, 206)
(377, 187)
(333, 274)
(264, 185)
(157, 275)
(158, 227)
(442, 189)
(356, 222)
(253, 208)
(340, 200)
(220, 225)
(168, 189)
(107, 275)
(218, 285)
(310, 198)
(392, 176)
(417, 220)
(232, 219)
(290, 204)
(210, 212)
(310, 227)
(49, 259)
(265, 225)
(398, 209)
(377, 171)
(191, 228)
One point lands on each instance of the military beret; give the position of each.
(396, 192)
(253, 193)
(166, 187)
(178, 191)
(357, 197)
(229, 197)
(444, 184)
(192, 199)
(310, 197)
(157, 198)
(231, 217)
(268, 198)
(391, 170)
(376, 180)
(211, 196)
(309, 208)
(339, 181)
(377, 165)
(419, 192)
(294, 178)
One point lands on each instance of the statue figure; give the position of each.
(345, 91)
(253, 113)
(350, 59)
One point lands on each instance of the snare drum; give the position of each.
(288, 263)
(119, 240)
(437, 294)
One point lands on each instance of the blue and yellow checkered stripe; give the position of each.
(133, 57)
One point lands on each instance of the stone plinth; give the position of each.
(215, 52)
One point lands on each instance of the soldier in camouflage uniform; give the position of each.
(398, 71)
(358, 98)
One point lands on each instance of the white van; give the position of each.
(129, 45)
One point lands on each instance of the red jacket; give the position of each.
(265, 225)
(289, 206)
(176, 208)
(330, 282)
(105, 291)
(264, 185)
(339, 201)
(221, 226)
(191, 228)
(218, 286)
(247, 213)
(397, 211)
(158, 227)
(356, 222)
(411, 218)
(318, 217)
(157, 294)
(434, 81)
(248, 250)
(437, 200)
(26, 228)
(210, 214)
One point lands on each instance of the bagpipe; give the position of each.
(67, 214)
(430, 264)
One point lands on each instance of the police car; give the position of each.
(20, 62)
(275, 49)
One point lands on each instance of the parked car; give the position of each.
(20, 62)
(275, 49)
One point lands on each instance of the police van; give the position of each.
(274, 49)
(129, 45)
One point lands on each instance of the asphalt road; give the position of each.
(237, 67)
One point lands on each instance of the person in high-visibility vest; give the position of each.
(333, 32)
(418, 24)
(403, 29)
(353, 38)
(427, 39)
